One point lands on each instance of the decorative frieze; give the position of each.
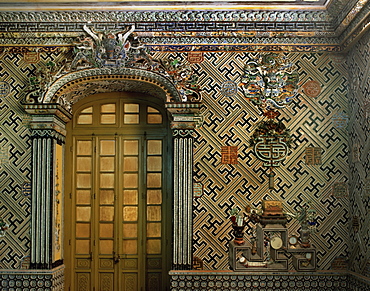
(60, 20)
(227, 281)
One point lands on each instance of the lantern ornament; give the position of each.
(269, 82)
(271, 142)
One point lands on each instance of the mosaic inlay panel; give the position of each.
(228, 281)
(30, 280)
(228, 119)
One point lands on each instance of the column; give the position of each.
(48, 138)
(184, 116)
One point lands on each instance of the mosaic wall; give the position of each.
(30, 280)
(15, 157)
(229, 120)
(14, 163)
(317, 118)
(359, 158)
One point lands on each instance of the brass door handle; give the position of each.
(116, 258)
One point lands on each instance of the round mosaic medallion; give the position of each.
(312, 88)
(4, 89)
(229, 88)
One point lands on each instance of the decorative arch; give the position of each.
(50, 105)
(74, 86)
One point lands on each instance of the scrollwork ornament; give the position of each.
(182, 133)
(136, 16)
(183, 77)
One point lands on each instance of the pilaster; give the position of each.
(48, 138)
(184, 120)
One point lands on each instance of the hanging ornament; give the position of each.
(271, 142)
(270, 83)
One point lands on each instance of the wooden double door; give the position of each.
(118, 217)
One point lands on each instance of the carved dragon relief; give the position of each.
(103, 61)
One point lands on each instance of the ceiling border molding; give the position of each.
(350, 38)
(165, 16)
(26, 5)
(292, 30)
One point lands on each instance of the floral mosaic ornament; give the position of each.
(271, 141)
(3, 227)
(183, 77)
(123, 49)
(269, 82)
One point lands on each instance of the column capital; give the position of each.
(185, 116)
(48, 120)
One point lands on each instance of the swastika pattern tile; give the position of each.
(15, 161)
(229, 120)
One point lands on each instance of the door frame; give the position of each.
(165, 131)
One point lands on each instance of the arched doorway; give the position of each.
(119, 179)
(54, 163)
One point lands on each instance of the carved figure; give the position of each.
(102, 48)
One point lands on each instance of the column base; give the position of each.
(32, 279)
(181, 267)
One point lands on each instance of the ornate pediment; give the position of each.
(106, 61)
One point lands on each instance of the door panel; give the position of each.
(130, 203)
(118, 211)
(83, 212)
